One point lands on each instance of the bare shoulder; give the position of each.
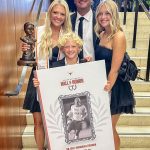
(118, 36)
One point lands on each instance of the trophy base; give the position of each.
(26, 63)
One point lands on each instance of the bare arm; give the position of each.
(119, 48)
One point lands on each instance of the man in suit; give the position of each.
(89, 36)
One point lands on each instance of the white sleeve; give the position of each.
(41, 63)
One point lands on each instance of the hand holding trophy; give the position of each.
(29, 39)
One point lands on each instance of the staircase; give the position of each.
(134, 130)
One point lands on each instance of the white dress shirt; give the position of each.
(88, 48)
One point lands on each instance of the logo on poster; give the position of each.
(71, 83)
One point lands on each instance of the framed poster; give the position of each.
(75, 107)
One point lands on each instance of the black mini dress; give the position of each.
(30, 102)
(122, 98)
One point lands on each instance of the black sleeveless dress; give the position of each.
(30, 102)
(122, 98)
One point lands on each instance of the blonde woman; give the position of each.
(111, 48)
(57, 23)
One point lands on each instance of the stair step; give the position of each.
(136, 137)
(142, 110)
(140, 43)
(142, 101)
(140, 30)
(28, 141)
(142, 94)
(140, 27)
(136, 52)
(140, 86)
(134, 120)
(140, 22)
(133, 130)
(130, 15)
(135, 141)
(141, 117)
(129, 34)
(140, 61)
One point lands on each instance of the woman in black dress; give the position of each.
(57, 22)
(111, 48)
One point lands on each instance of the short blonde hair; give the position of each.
(70, 36)
(115, 22)
(46, 41)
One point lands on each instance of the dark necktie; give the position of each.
(80, 27)
(80, 33)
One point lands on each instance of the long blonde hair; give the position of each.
(112, 8)
(45, 48)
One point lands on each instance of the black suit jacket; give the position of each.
(61, 62)
(73, 21)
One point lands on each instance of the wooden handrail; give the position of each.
(24, 70)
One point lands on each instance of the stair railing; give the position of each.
(135, 24)
(125, 12)
(137, 4)
(148, 57)
(144, 8)
(148, 63)
(24, 70)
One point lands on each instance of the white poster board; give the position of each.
(59, 87)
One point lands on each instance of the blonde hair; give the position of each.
(45, 48)
(70, 36)
(112, 8)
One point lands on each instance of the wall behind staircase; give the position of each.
(13, 14)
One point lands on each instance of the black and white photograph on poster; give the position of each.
(68, 127)
(77, 117)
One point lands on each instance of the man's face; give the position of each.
(83, 4)
(77, 102)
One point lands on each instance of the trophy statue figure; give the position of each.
(28, 55)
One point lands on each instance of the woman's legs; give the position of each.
(115, 119)
(39, 130)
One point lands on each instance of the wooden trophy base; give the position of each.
(26, 63)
